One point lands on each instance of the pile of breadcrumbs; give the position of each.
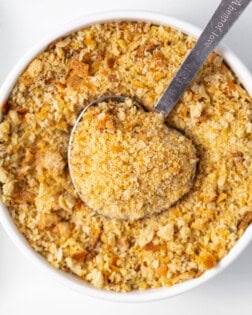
(126, 163)
(137, 60)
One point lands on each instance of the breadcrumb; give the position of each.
(138, 60)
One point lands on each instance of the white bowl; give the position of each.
(70, 280)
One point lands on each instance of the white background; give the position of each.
(25, 289)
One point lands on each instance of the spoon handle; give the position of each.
(223, 18)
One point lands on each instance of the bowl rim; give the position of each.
(19, 240)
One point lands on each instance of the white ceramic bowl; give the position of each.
(70, 280)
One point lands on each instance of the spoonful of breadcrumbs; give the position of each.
(124, 161)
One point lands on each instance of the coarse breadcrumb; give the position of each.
(126, 163)
(137, 60)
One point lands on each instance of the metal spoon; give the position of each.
(223, 18)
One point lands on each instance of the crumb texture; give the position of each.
(127, 164)
(137, 60)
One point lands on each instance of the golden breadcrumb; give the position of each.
(127, 164)
(137, 60)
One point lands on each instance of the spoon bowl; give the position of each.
(141, 190)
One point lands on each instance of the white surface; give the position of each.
(27, 292)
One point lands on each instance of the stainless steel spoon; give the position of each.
(223, 18)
